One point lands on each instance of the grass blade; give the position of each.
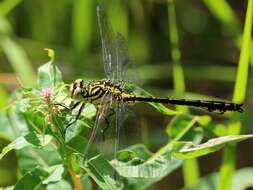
(228, 163)
(190, 167)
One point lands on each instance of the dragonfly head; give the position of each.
(77, 89)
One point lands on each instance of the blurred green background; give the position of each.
(207, 45)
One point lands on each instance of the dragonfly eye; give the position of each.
(77, 93)
(76, 89)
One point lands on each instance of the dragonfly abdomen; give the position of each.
(208, 105)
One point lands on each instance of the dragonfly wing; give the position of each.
(108, 42)
(100, 118)
(124, 61)
(116, 57)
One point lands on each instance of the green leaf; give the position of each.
(89, 111)
(30, 157)
(75, 146)
(48, 74)
(32, 179)
(86, 183)
(146, 168)
(155, 168)
(56, 172)
(38, 140)
(21, 142)
(208, 147)
(179, 125)
(59, 186)
(137, 153)
(102, 173)
(125, 155)
(35, 178)
(182, 126)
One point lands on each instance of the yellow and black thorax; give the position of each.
(94, 91)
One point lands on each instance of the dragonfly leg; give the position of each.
(62, 105)
(68, 107)
(77, 116)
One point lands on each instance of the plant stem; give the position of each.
(228, 162)
(190, 167)
(76, 180)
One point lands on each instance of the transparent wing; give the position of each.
(117, 61)
(108, 43)
(124, 63)
(100, 117)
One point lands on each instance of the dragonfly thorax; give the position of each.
(93, 91)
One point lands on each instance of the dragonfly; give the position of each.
(110, 93)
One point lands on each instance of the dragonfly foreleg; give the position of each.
(71, 107)
(77, 116)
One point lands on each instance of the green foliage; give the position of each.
(52, 154)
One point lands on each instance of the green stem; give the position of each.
(228, 162)
(191, 172)
(190, 167)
